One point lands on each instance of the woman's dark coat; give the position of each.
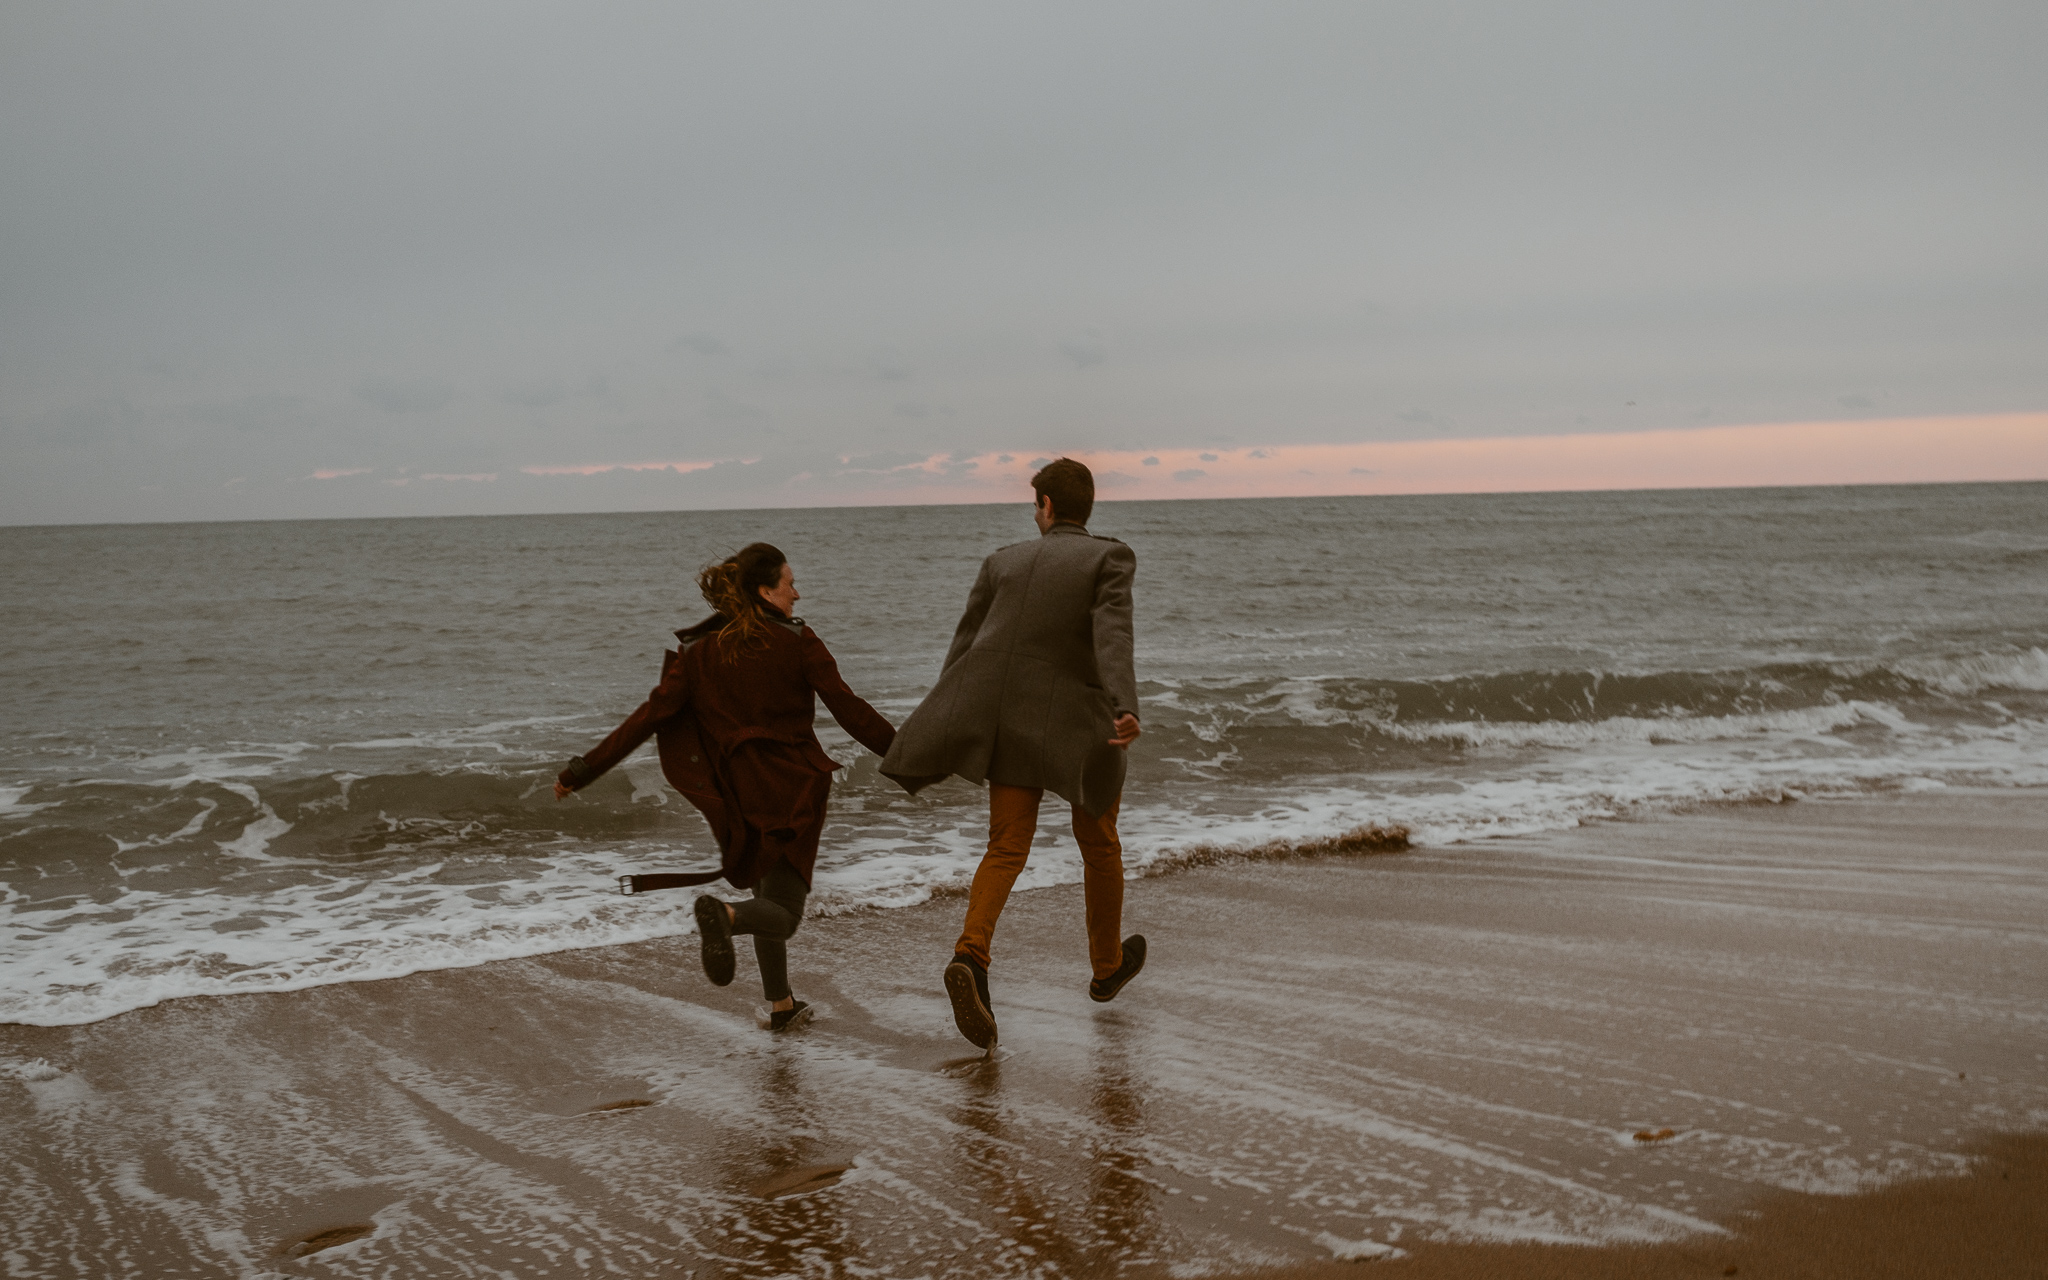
(735, 738)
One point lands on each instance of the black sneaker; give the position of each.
(967, 984)
(714, 930)
(1103, 990)
(784, 1019)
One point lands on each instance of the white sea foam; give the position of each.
(2004, 540)
(147, 947)
(93, 960)
(11, 805)
(1802, 722)
(1358, 1250)
(466, 738)
(259, 831)
(236, 760)
(28, 1071)
(1983, 672)
(192, 827)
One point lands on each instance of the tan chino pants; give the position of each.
(1012, 822)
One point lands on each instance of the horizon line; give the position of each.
(1005, 502)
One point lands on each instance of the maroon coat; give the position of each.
(736, 739)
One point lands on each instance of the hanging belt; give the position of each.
(666, 880)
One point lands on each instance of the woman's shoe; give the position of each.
(1103, 990)
(784, 1019)
(967, 984)
(714, 929)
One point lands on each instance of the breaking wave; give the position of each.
(267, 868)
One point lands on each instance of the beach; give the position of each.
(1458, 1059)
(1524, 529)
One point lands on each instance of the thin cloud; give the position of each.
(422, 395)
(546, 393)
(599, 468)
(252, 414)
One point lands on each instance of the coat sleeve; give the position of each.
(867, 725)
(978, 601)
(1111, 615)
(668, 697)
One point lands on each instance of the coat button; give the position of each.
(693, 759)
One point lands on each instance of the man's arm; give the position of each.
(978, 601)
(1112, 621)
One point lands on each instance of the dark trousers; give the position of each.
(772, 915)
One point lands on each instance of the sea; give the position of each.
(246, 757)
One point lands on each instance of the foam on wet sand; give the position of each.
(1440, 1052)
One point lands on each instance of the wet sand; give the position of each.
(1446, 1052)
(1992, 1221)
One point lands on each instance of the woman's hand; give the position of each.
(562, 792)
(1127, 731)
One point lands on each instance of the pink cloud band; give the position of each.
(1885, 451)
(599, 468)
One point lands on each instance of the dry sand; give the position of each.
(1445, 1052)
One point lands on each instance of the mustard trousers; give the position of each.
(1012, 822)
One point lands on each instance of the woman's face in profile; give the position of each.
(783, 594)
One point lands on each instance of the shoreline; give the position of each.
(1425, 1051)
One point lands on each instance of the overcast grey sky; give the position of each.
(245, 245)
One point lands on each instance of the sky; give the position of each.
(369, 259)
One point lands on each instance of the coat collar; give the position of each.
(716, 623)
(1067, 526)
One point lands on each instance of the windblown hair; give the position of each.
(1070, 485)
(732, 587)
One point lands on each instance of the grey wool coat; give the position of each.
(1039, 669)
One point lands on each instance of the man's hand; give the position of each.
(562, 792)
(1126, 731)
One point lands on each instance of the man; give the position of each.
(1037, 694)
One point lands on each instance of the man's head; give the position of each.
(1066, 491)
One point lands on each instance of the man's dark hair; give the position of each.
(1070, 485)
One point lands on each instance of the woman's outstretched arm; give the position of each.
(668, 697)
(854, 715)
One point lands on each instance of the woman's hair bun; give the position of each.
(733, 586)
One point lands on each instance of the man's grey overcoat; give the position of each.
(1039, 669)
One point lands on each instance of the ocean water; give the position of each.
(256, 757)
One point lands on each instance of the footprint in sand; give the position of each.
(795, 1182)
(624, 1104)
(325, 1239)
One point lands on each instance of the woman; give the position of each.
(733, 713)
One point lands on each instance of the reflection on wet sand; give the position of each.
(998, 1169)
(1017, 1169)
(1120, 1207)
(777, 1229)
